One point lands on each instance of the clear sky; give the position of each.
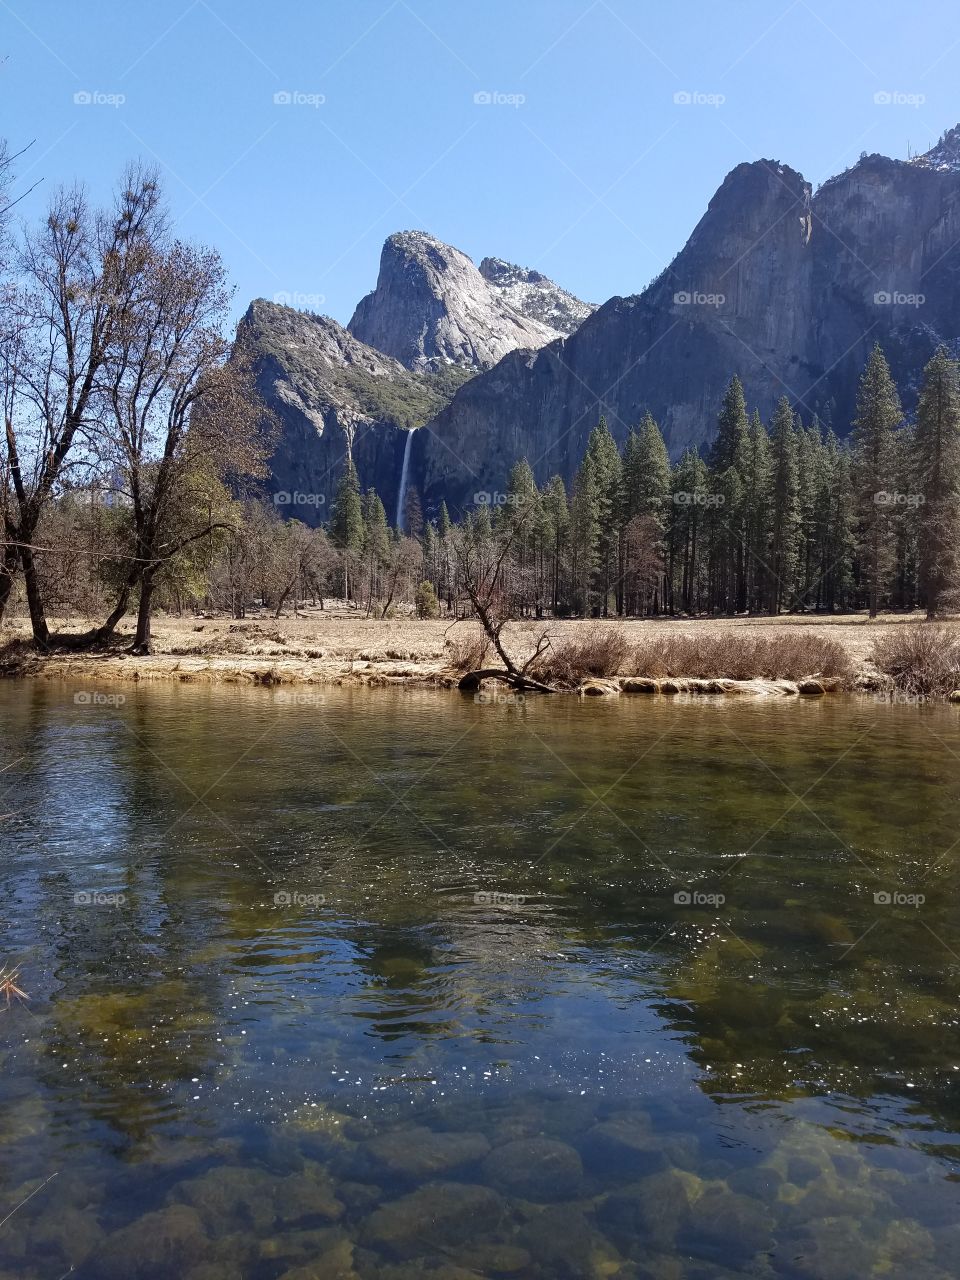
(577, 158)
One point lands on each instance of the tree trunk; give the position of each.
(38, 621)
(8, 570)
(141, 641)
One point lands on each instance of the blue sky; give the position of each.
(577, 158)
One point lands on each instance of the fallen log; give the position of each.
(470, 682)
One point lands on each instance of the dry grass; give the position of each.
(922, 660)
(598, 652)
(468, 650)
(727, 654)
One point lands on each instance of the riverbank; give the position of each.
(338, 646)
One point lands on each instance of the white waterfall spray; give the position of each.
(404, 477)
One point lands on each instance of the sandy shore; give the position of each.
(339, 646)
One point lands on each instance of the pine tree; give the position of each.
(585, 520)
(757, 515)
(555, 523)
(376, 542)
(603, 451)
(937, 466)
(785, 504)
(729, 461)
(346, 524)
(878, 413)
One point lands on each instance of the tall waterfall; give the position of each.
(404, 475)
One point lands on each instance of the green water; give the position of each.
(376, 984)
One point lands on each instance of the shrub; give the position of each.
(922, 660)
(740, 657)
(600, 652)
(468, 650)
(428, 606)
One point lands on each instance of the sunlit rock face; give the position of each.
(432, 306)
(787, 287)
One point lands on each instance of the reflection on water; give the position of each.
(399, 985)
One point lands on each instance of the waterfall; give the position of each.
(404, 474)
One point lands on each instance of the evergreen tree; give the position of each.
(585, 517)
(785, 504)
(878, 414)
(937, 465)
(346, 524)
(608, 470)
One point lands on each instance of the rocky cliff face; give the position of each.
(432, 307)
(787, 288)
(333, 397)
(535, 296)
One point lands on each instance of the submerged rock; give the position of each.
(422, 1153)
(167, 1243)
(651, 1211)
(727, 1226)
(437, 1215)
(623, 1146)
(535, 1169)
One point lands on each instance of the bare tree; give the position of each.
(81, 272)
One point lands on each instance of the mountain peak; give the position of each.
(945, 156)
(535, 295)
(433, 308)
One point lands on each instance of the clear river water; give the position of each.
(388, 984)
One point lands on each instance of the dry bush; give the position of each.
(740, 657)
(468, 650)
(599, 652)
(922, 660)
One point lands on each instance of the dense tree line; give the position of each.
(778, 517)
